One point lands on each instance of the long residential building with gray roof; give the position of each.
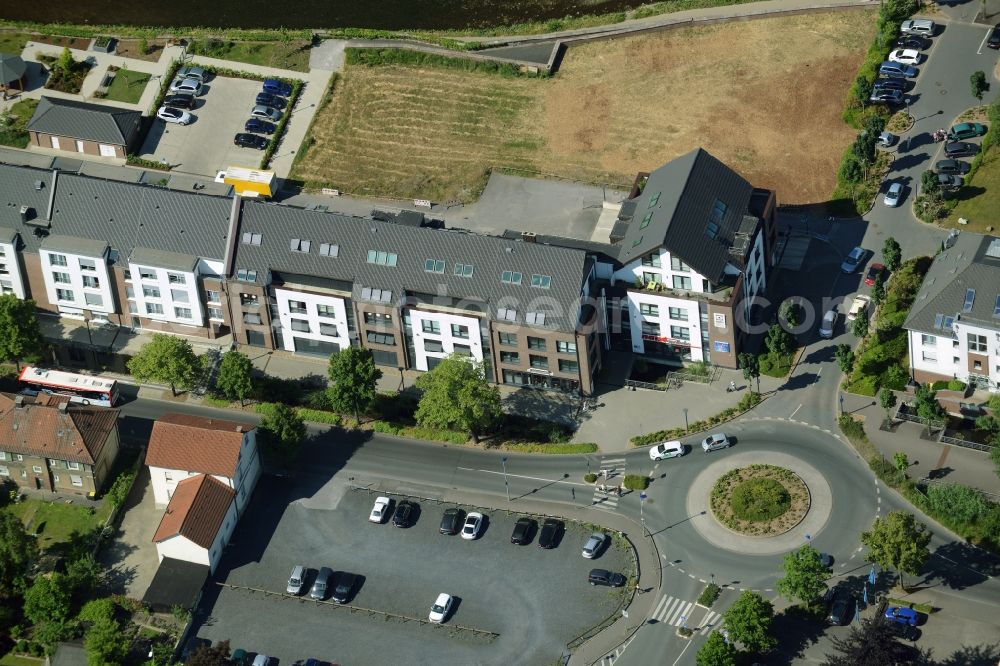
(954, 324)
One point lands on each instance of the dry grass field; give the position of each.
(765, 96)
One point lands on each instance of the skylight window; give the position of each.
(537, 318)
(382, 258)
(655, 199)
(329, 250)
(434, 266)
(250, 238)
(996, 308)
(541, 281)
(510, 277)
(246, 275)
(463, 270)
(298, 245)
(939, 320)
(970, 298)
(377, 295)
(506, 314)
(645, 220)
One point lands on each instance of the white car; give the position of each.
(473, 523)
(380, 511)
(441, 608)
(887, 139)
(169, 114)
(905, 56)
(663, 450)
(854, 260)
(829, 322)
(261, 660)
(858, 307)
(192, 86)
(716, 441)
(893, 195)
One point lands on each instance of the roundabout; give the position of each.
(760, 500)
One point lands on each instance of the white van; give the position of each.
(664, 450)
(296, 581)
(922, 27)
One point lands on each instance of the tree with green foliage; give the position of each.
(715, 651)
(791, 313)
(862, 90)
(929, 184)
(66, 62)
(106, 643)
(283, 431)
(805, 576)
(892, 254)
(901, 461)
(897, 541)
(20, 335)
(851, 169)
(778, 341)
(979, 84)
(894, 11)
(82, 576)
(120, 488)
(873, 643)
(457, 396)
(860, 325)
(750, 365)
(960, 503)
(926, 404)
(864, 147)
(97, 610)
(235, 378)
(887, 399)
(874, 125)
(878, 291)
(17, 551)
(48, 599)
(213, 655)
(995, 455)
(749, 620)
(845, 358)
(353, 381)
(167, 359)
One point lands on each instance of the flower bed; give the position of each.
(760, 500)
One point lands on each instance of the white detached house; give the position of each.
(183, 446)
(198, 522)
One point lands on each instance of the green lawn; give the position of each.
(293, 54)
(56, 522)
(776, 365)
(979, 200)
(127, 86)
(13, 42)
(11, 660)
(16, 134)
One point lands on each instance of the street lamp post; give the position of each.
(506, 486)
(685, 420)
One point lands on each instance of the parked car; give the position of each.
(548, 536)
(993, 41)
(606, 578)
(960, 149)
(169, 114)
(297, 581)
(966, 131)
(905, 56)
(380, 511)
(441, 608)
(473, 525)
(839, 607)
(912, 42)
(244, 140)
(192, 86)
(952, 166)
(893, 195)
(595, 542)
(267, 99)
(664, 450)
(523, 529)
(890, 84)
(948, 181)
(265, 113)
(922, 27)
(853, 260)
(887, 140)
(874, 271)
(406, 512)
(345, 587)
(258, 126)
(897, 70)
(240, 657)
(826, 560)
(901, 615)
(858, 307)
(261, 660)
(886, 96)
(277, 87)
(716, 441)
(905, 631)
(321, 583)
(451, 521)
(180, 101)
(828, 323)
(192, 72)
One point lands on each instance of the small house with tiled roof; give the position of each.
(49, 443)
(198, 522)
(181, 446)
(82, 127)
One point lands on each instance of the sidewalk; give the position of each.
(953, 464)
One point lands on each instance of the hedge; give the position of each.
(709, 595)
(636, 481)
(560, 449)
(747, 402)
(991, 138)
(397, 56)
(266, 409)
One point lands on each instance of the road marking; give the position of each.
(819, 372)
(676, 661)
(522, 476)
(796, 411)
(708, 622)
(982, 43)
(986, 575)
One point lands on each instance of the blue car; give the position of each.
(277, 87)
(258, 126)
(901, 615)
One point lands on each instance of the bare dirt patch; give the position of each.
(764, 96)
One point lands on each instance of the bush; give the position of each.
(709, 595)
(386, 428)
(590, 477)
(553, 448)
(760, 500)
(318, 416)
(636, 481)
(118, 492)
(959, 503)
(393, 56)
(747, 402)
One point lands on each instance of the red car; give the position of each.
(874, 271)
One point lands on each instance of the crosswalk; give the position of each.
(614, 472)
(676, 612)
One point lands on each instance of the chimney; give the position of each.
(528, 236)
(19, 402)
(52, 195)
(239, 428)
(63, 406)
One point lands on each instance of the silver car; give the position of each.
(192, 86)
(266, 113)
(716, 441)
(191, 72)
(594, 545)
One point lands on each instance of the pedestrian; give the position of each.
(573, 490)
(638, 590)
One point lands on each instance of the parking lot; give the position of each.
(536, 600)
(206, 145)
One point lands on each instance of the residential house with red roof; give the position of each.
(182, 446)
(49, 443)
(198, 522)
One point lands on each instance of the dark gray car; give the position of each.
(952, 166)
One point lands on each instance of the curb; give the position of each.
(763, 399)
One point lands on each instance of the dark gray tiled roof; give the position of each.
(123, 214)
(685, 192)
(80, 120)
(7, 235)
(12, 68)
(75, 245)
(966, 265)
(163, 259)
(354, 236)
(605, 251)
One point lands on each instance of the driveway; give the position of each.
(536, 600)
(206, 145)
(131, 558)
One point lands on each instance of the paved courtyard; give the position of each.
(131, 558)
(536, 600)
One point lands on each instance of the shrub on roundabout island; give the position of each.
(760, 499)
